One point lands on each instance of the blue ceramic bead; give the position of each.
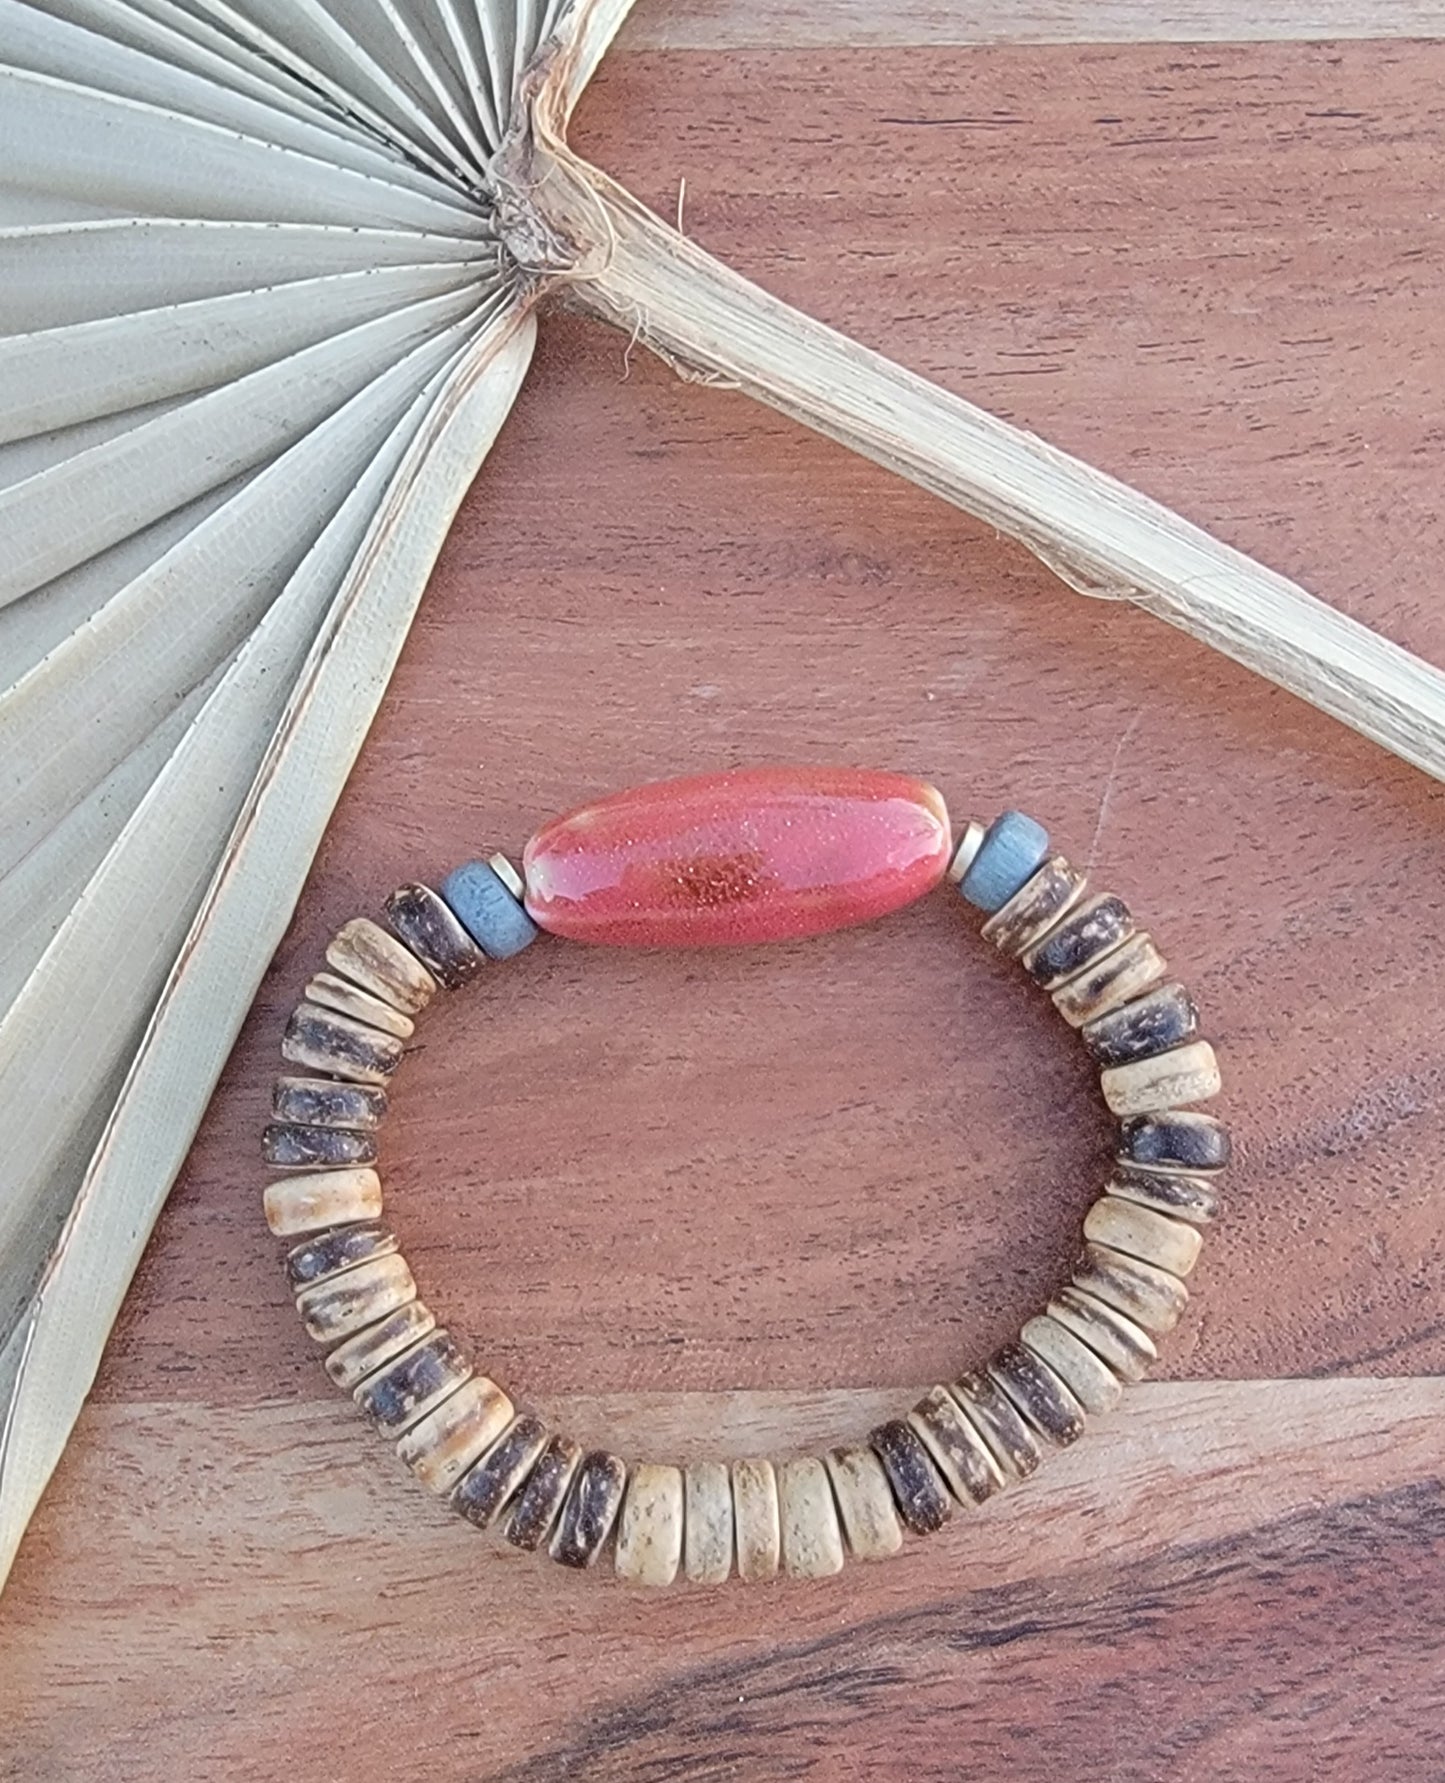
(1011, 853)
(487, 910)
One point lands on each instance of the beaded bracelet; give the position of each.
(743, 857)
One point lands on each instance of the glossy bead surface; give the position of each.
(408, 1387)
(1013, 849)
(1086, 934)
(765, 854)
(325, 1102)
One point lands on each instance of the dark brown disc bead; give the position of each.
(1039, 1394)
(1177, 1140)
(336, 1251)
(1033, 910)
(323, 1102)
(1086, 933)
(922, 1497)
(993, 1415)
(425, 923)
(405, 1388)
(289, 1147)
(1157, 1023)
(1192, 1198)
(325, 1041)
(542, 1497)
(590, 1509)
(962, 1456)
(486, 1489)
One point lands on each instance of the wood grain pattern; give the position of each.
(1213, 1582)
(811, 1177)
(819, 24)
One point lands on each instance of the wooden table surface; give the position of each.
(698, 1203)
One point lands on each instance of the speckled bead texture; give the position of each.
(796, 1516)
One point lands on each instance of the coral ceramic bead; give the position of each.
(765, 854)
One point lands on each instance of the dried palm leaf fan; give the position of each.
(268, 278)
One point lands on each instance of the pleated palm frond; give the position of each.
(268, 271)
(258, 334)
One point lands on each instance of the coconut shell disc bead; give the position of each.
(765, 854)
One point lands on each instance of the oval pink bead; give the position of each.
(763, 854)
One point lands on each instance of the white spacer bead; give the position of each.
(968, 846)
(508, 875)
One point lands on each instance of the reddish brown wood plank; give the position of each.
(1221, 1578)
(771, 24)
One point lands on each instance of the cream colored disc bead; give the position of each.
(1096, 1387)
(333, 992)
(707, 1523)
(1124, 1346)
(1142, 1232)
(440, 1447)
(649, 1528)
(363, 952)
(1153, 1298)
(1168, 1080)
(756, 1520)
(311, 1203)
(812, 1537)
(865, 1503)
